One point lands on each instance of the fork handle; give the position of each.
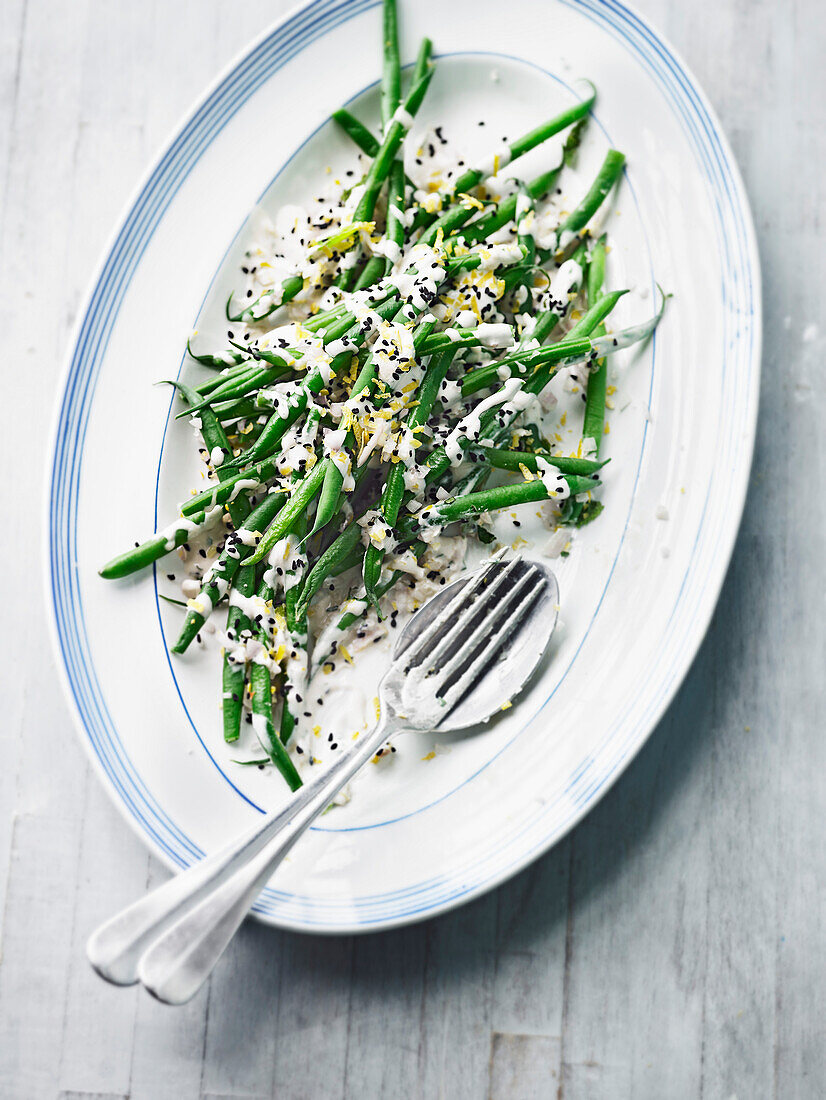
(172, 938)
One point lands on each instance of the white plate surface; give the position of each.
(420, 836)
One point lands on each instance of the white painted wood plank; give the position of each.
(741, 980)
(168, 1043)
(37, 942)
(799, 931)
(12, 34)
(311, 1016)
(455, 1036)
(523, 1067)
(47, 807)
(533, 913)
(241, 1034)
(633, 1002)
(385, 1014)
(99, 1019)
(62, 1095)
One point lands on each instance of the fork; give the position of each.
(503, 615)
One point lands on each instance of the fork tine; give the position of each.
(480, 607)
(489, 622)
(460, 621)
(448, 613)
(510, 625)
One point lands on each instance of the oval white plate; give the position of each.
(637, 591)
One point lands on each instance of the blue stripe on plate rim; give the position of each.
(741, 296)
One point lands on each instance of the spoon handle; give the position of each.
(172, 938)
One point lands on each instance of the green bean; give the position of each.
(391, 77)
(546, 361)
(213, 434)
(339, 550)
(394, 487)
(194, 513)
(379, 169)
(268, 302)
(349, 561)
(219, 577)
(594, 420)
(343, 545)
(218, 361)
(226, 490)
(234, 388)
(357, 131)
(391, 142)
(503, 459)
(479, 378)
(422, 60)
(242, 408)
(236, 373)
(330, 496)
(283, 523)
(378, 266)
(525, 206)
(607, 176)
(503, 496)
(215, 439)
(261, 700)
(469, 262)
(297, 628)
(234, 672)
(143, 554)
(449, 222)
(321, 320)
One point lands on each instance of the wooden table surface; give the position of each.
(673, 946)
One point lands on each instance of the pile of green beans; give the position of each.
(338, 445)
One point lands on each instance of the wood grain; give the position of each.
(675, 945)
